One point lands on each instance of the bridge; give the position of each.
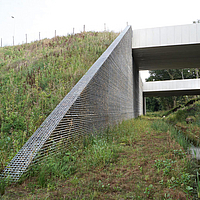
(172, 47)
(172, 88)
(112, 90)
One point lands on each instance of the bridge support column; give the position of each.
(135, 89)
(144, 105)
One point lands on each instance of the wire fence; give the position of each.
(34, 36)
(103, 96)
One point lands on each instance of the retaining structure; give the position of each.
(103, 96)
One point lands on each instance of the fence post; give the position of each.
(13, 40)
(1, 42)
(104, 26)
(26, 38)
(83, 28)
(39, 35)
(55, 33)
(73, 31)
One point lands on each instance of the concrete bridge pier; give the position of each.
(135, 89)
(144, 105)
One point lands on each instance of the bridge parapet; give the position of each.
(169, 35)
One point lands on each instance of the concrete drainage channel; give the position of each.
(195, 151)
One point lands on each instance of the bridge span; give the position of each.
(171, 47)
(172, 88)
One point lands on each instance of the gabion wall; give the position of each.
(103, 96)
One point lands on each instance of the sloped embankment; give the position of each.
(187, 120)
(35, 77)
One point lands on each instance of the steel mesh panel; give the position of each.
(102, 97)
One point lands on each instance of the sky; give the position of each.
(46, 16)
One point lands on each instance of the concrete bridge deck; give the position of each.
(169, 47)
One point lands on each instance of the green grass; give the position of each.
(35, 77)
(184, 120)
(190, 129)
(132, 160)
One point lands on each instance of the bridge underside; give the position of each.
(167, 57)
(171, 93)
(171, 47)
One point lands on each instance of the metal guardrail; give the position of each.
(103, 96)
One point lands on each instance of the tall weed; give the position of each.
(160, 125)
(100, 153)
(61, 165)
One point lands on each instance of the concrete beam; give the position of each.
(172, 88)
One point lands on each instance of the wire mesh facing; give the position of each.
(102, 97)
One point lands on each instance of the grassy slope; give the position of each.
(35, 77)
(191, 129)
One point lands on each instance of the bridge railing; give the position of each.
(102, 97)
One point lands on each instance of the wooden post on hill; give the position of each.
(1, 42)
(13, 40)
(83, 28)
(39, 35)
(104, 26)
(26, 38)
(55, 33)
(73, 31)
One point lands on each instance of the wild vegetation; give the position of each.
(143, 158)
(187, 120)
(137, 159)
(35, 77)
